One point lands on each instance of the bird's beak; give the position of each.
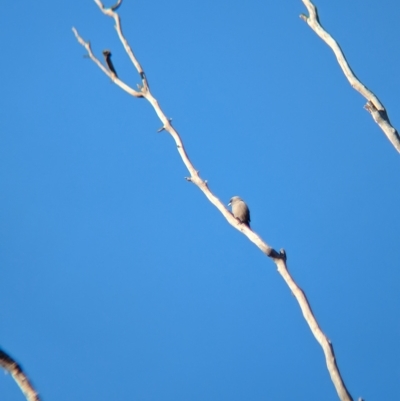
(229, 203)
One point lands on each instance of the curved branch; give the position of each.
(279, 258)
(374, 106)
(8, 364)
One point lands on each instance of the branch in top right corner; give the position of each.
(374, 106)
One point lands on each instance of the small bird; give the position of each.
(240, 210)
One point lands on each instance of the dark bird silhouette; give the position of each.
(240, 210)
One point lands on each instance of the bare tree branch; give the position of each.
(279, 258)
(116, 5)
(374, 106)
(7, 363)
(109, 73)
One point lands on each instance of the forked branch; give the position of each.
(373, 105)
(8, 364)
(279, 258)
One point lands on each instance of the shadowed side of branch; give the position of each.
(110, 65)
(8, 364)
(374, 106)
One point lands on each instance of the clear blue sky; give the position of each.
(119, 280)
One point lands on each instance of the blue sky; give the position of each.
(120, 280)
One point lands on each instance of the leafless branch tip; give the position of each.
(116, 5)
(111, 74)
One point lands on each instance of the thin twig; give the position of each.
(374, 106)
(279, 258)
(109, 73)
(116, 5)
(7, 363)
(110, 12)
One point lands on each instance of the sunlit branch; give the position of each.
(109, 73)
(279, 258)
(373, 105)
(7, 363)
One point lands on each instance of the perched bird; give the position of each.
(240, 210)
